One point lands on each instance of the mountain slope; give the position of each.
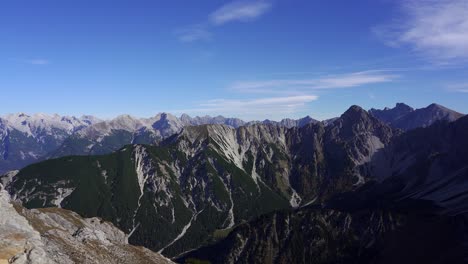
(54, 235)
(326, 235)
(201, 182)
(145, 190)
(404, 117)
(108, 136)
(26, 139)
(415, 212)
(429, 164)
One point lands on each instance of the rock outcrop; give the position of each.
(55, 235)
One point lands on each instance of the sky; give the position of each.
(256, 60)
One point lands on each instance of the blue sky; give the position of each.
(249, 59)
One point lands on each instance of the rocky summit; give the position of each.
(54, 235)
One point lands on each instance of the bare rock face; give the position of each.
(55, 235)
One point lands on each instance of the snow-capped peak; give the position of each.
(39, 124)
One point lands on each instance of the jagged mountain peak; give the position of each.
(398, 106)
(362, 133)
(167, 124)
(185, 117)
(435, 105)
(259, 131)
(406, 118)
(441, 108)
(403, 106)
(124, 122)
(21, 114)
(355, 113)
(207, 119)
(356, 120)
(39, 124)
(389, 115)
(307, 117)
(287, 122)
(203, 132)
(359, 120)
(165, 115)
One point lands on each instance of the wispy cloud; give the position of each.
(239, 11)
(324, 82)
(459, 87)
(279, 98)
(258, 108)
(437, 29)
(193, 33)
(37, 61)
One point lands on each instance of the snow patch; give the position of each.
(39, 125)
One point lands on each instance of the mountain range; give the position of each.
(204, 180)
(199, 183)
(405, 117)
(343, 191)
(25, 139)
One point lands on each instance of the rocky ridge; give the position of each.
(406, 118)
(54, 235)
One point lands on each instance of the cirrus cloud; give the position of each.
(239, 11)
(37, 61)
(258, 108)
(320, 83)
(436, 29)
(459, 87)
(193, 33)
